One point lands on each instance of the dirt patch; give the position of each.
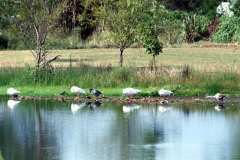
(217, 45)
(157, 100)
(213, 26)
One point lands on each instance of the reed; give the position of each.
(196, 82)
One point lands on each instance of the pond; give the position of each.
(38, 129)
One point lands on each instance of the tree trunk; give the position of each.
(121, 56)
(36, 75)
(38, 57)
(74, 16)
(154, 70)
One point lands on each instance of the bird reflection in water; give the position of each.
(77, 106)
(94, 105)
(220, 107)
(164, 108)
(12, 103)
(130, 107)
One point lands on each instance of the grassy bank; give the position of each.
(111, 81)
(211, 70)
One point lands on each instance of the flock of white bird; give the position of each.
(129, 92)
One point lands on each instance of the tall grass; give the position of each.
(86, 76)
(1, 158)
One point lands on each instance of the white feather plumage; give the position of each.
(164, 92)
(13, 91)
(77, 90)
(130, 91)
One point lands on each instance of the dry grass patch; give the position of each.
(211, 59)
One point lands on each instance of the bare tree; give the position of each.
(33, 21)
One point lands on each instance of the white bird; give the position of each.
(12, 103)
(218, 96)
(131, 106)
(13, 92)
(130, 92)
(77, 90)
(164, 92)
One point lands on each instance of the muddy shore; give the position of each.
(173, 99)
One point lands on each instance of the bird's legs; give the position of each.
(165, 99)
(14, 96)
(220, 100)
(95, 97)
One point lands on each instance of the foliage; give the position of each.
(236, 36)
(121, 20)
(82, 14)
(111, 23)
(121, 74)
(150, 40)
(148, 33)
(32, 24)
(3, 42)
(182, 5)
(208, 8)
(227, 29)
(7, 14)
(1, 158)
(172, 30)
(236, 8)
(195, 27)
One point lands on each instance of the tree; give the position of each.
(80, 13)
(32, 22)
(4, 20)
(236, 8)
(147, 28)
(121, 21)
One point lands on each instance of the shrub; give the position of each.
(1, 158)
(227, 30)
(3, 42)
(121, 75)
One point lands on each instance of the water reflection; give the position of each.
(12, 103)
(49, 130)
(220, 107)
(130, 107)
(94, 104)
(164, 108)
(76, 106)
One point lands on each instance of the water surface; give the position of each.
(119, 131)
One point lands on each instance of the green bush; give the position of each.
(227, 30)
(3, 42)
(121, 75)
(1, 158)
(208, 8)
